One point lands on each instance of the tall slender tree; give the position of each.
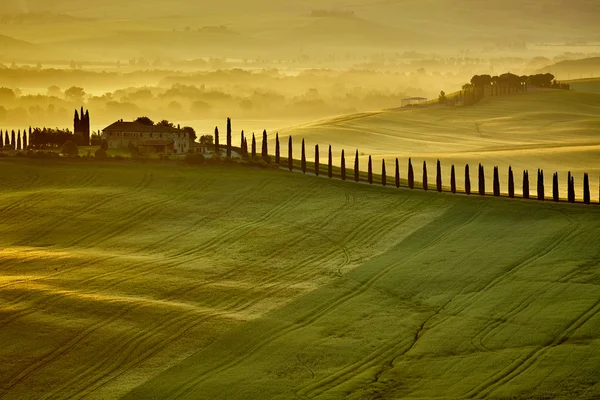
(317, 160)
(290, 155)
(370, 171)
(569, 188)
(19, 140)
(343, 166)
(411, 175)
(242, 139)
(452, 180)
(438, 177)
(496, 182)
(356, 170)
(217, 147)
(253, 146)
(6, 139)
(303, 160)
(511, 183)
(24, 139)
(481, 180)
(13, 141)
(265, 147)
(245, 148)
(228, 137)
(397, 173)
(525, 184)
(586, 189)
(540, 185)
(330, 164)
(383, 173)
(277, 149)
(425, 183)
(572, 189)
(555, 194)
(467, 180)
(1, 139)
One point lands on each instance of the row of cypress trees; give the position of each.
(410, 176)
(16, 140)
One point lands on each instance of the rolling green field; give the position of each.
(166, 281)
(558, 131)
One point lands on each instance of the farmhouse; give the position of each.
(409, 101)
(155, 138)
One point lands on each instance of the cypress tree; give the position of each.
(540, 185)
(569, 187)
(277, 149)
(555, 195)
(303, 160)
(1, 139)
(317, 160)
(243, 148)
(496, 182)
(330, 164)
(481, 180)
(586, 189)
(397, 173)
(370, 171)
(525, 184)
(411, 175)
(467, 180)
(217, 148)
(6, 139)
(19, 140)
(253, 146)
(425, 185)
(356, 171)
(511, 183)
(228, 137)
(13, 142)
(343, 167)
(438, 177)
(383, 173)
(290, 155)
(242, 139)
(24, 140)
(572, 189)
(452, 180)
(265, 147)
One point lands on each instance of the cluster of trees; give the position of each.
(14, 140)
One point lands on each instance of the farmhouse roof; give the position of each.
(156, 142)
(121, 126)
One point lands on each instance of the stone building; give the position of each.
(154, 138)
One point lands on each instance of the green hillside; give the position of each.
(591, 85)
(164, 281)
(557, 131)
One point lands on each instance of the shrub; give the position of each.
(100, 153)
(195, 159)
(70, 149)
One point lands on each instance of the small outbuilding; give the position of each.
(411, 101)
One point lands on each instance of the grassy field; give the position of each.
(165, 281)
(557, 131)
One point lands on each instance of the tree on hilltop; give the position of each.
(356, 171)
(481, 180)
(290, 155)
(467, 180)
(265, 147)
(303, 160)
(383, 173)
(1, 139)
(19, 140)
(438, 178)
(411, 175)
(13, 140)
(330, 164)
(586, 189)
(253, 146)
(166, 124)
(144, 121)
(277, 149)
(425, 183)
(317, 160)
(343, 166)
(217, 147)
(496, 182)
(228, 137)
(452, 180)
(6, 139)
(397, 173)
(525, 184)
(511, 183)
(370, 171)
(555, 193)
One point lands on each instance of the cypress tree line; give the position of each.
(397, 173)
(525, 184)
(24, 140)
(317, 160)
(540, 185)
(6, 139)
(217, 148)
(303, 160)
(481, 180)
(425, 184)
(438, 177)
(370, 171)
(13, 140)
(290, 155)
(19, 140)
(452, 180)
(253, 146)
(1, 139)
(242, 139)
(265, 147)
(586, 189)
(277, 149)
(330, 164)
(356, 172)
(511, 183)
(467, 180)
(572, 189)
(383, 173)
(228, 137)
(245, 148)
(555, 195)
(496, 182)
(569, 187)
(411, 175)
(343, 167)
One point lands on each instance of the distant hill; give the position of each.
(586, 85)
(11, 47)
(573, 69)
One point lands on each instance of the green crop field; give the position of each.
(558, 131)
(166, 281)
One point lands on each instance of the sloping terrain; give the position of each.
(164, 281)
